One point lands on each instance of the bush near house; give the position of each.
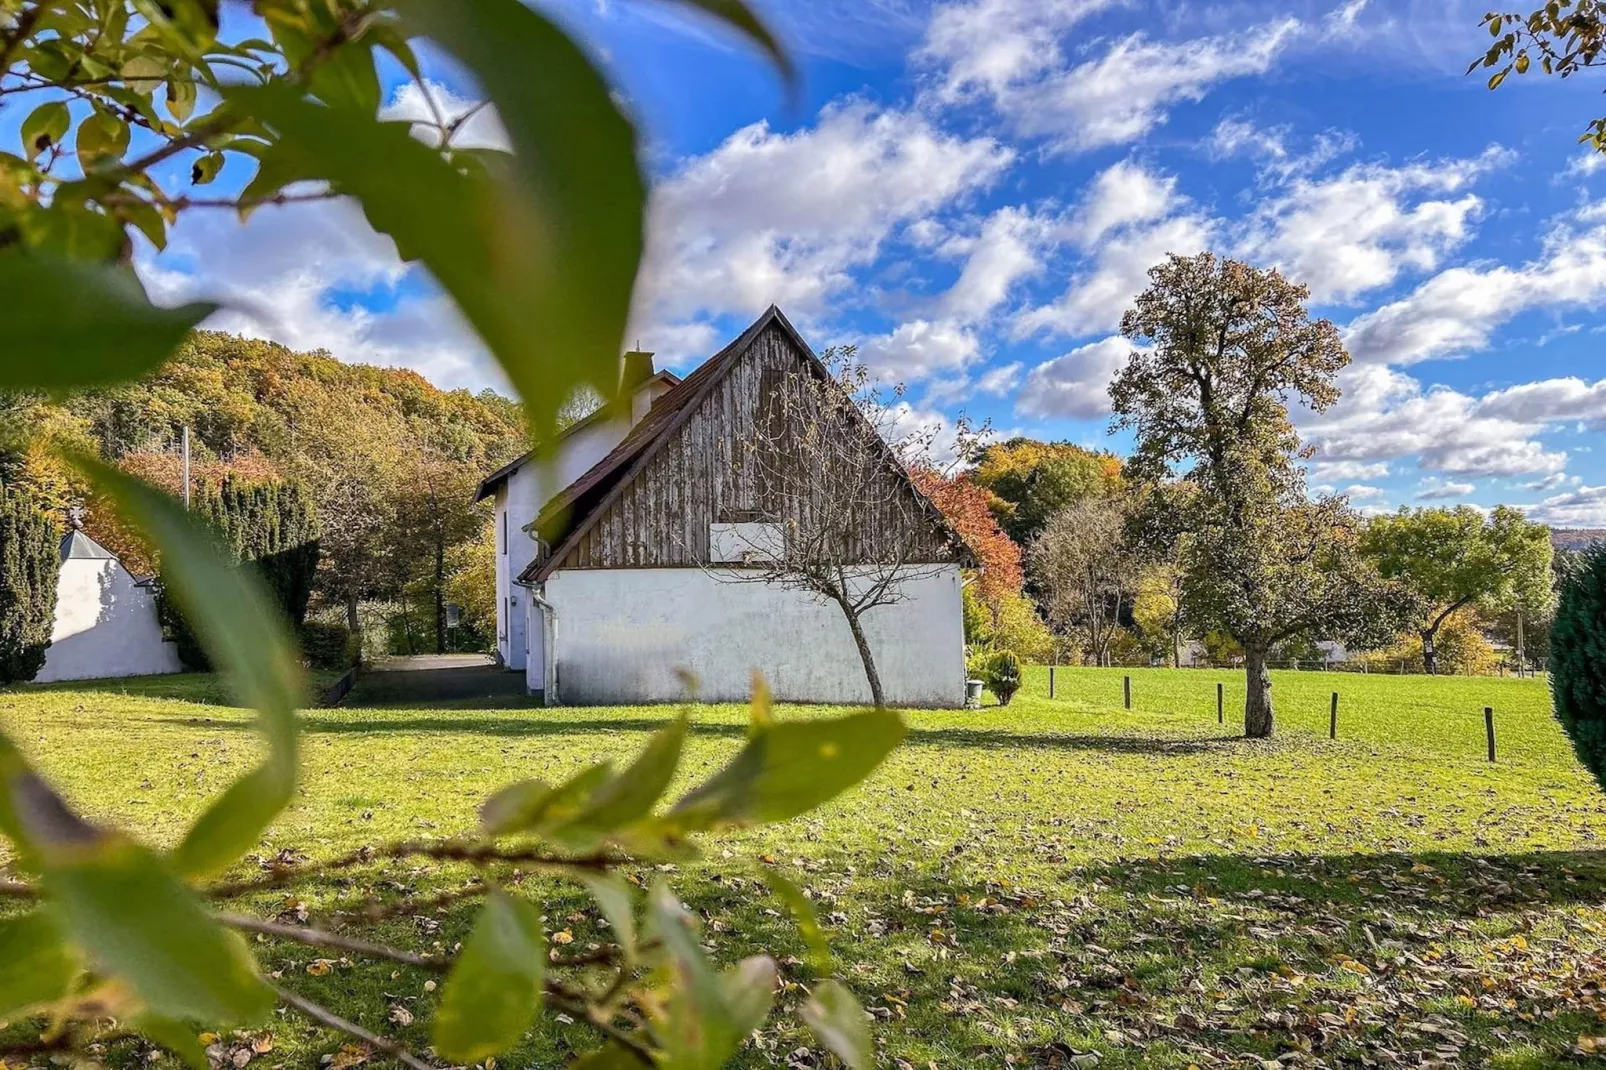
(1578, 659)
(29, 566)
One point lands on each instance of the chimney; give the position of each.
(635, 369)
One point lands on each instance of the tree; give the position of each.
(30, 565)
(435, 517)
(1450, 559)
(1578, 658)
(1157, 609)
(1567, 36)
(1082, 571)
(1032, 480)
(1223, 344)
(853, 530)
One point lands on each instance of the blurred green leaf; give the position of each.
(611, 1057)
(82, 324)
(102, 136)
(841, 1024)
(630, 796)
(177, 1037)
(483, 243)
(45, 126)
(706, 1015)
(582, 196)
(790, 768)
(491, 996)
(206, 168)
(618, 904)
(37, 965)
(347, 78)
(741, 17)
(802, 908)
(245, 635)
(139, 924)
(532, 805)
(180, 98)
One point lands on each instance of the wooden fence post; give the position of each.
(1488, 728)
(1220, 716)
(1126, 691)
(1332, 718)
(1051, 681)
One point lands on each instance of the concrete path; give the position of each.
(460, 680)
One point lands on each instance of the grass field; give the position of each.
(1058, 883)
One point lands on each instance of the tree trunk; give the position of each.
(440, 596)
(865, 656)
(353, 621)
(1258, 720)
(1430, 652)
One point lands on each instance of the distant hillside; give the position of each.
(1576, 538)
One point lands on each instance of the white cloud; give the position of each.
(1000, 380)
(1361, 492)
(1548, 401)
(1334, 471)
(985, 47)
(1077, 384)
(1356, 231)
(918, 350)
(277, 275)
(1097, 297)
(482, 129)
(1584, 164)
(1119, 196)
(1385, 414)
(1007, 250)
(1433, 490)
(1456, 311)
(1129, 90)
(1268, 147)
(770, 217)
(1582, 507)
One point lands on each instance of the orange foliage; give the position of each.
(970, 508)
(166, 470)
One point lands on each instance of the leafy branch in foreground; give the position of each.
(128, 102)
(1565, 36)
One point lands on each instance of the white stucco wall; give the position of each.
(620, 635)
(106, 626)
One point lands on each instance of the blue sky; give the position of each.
(972, 190)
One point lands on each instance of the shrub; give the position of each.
(1003, 676)
(30, 563)
(1578, 660)
(329, 645)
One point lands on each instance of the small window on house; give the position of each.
(744, 543)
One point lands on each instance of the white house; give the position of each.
(625, 569)
(106, 619)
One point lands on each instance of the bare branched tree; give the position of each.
(839, 518)
(1084, 572)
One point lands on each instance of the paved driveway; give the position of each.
(439, 680)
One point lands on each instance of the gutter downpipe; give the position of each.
(549, 660)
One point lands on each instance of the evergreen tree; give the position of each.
(1578, 658)
(30, 564)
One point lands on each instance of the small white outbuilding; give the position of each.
(106, 619)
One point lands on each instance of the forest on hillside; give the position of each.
(389, 461)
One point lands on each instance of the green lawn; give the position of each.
(1032, 886)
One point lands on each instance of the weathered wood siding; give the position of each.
(661, 519)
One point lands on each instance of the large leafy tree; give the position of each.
(1450, 559)
(1032, 480)
(1564, 38)
(1221, 346)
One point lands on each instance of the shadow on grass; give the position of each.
(353, 723)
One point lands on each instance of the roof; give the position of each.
(489, 484)
(568, 515)
(76, 546)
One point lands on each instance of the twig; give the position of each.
(330, 1020)
(443, 850)
(18, 890)
(568, 1000)
(323, 938)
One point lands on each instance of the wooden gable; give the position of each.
(652, 505)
